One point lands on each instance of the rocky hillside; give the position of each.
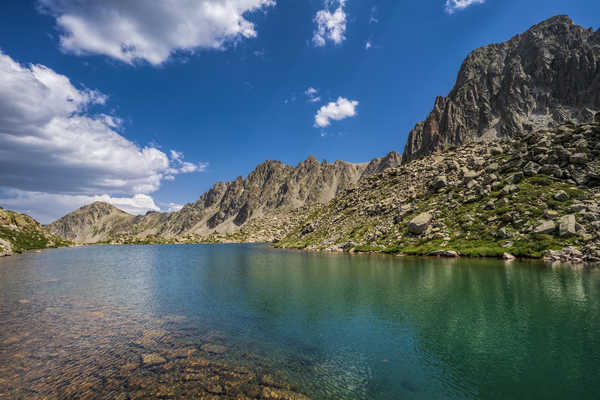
(272, 193)
(525, 194)
(542, 78)
(20, 232)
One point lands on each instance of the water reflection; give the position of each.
(246, 320)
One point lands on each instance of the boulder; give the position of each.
(439, 182)
(420, 223)
(567, 226)
(545, 227)
(509, 189)
(508, 257)
(561, 195)
(443, 253)
(153, 359)
(531, 168)
(579, 158)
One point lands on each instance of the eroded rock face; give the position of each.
(541, 78)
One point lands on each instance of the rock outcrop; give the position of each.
(542, 78)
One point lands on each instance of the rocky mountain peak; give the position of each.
(541, 78)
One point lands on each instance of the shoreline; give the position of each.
(567, 256)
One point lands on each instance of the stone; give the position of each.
(531, 168)
(567, 226)
(545, 227)
(551, 214)
(503, 234)
(439, 182)
(214, 348)
(508, 257)
(561, 195)
(153, 359)
(420, 223)
(510, 189)
(515, 179)
(443, 253)
(578, 158)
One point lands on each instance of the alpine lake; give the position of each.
(249, 321)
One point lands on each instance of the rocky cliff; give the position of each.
(527, 194)
(542, 78)
(20, 232)
(273, 193)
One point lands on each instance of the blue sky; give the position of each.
(211, 92)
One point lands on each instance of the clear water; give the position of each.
(330, 326)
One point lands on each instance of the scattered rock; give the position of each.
(561, 195)
(152, 359)
(214, 348)
(439, 182)
(443, 253)
(545, 227)
(567, 226)
(420, 223)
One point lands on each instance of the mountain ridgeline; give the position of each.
(272, 192)
(542, 78)
(508, 161)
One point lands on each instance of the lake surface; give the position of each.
(247, 320)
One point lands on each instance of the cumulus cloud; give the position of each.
(368, 45)
(51, 143)
(456, 5)
(330, 23)
(37, 204)
(336, 111)
(134, 30)
(312, 94)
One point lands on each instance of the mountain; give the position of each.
(273, 193)
(542, 78)
(20, 232)
(532, 195)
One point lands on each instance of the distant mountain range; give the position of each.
(543, 84)
(272, 188)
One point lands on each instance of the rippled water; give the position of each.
(230, 321)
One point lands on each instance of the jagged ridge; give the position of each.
(542, 78)
(271, 192)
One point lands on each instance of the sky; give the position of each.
(146, 107)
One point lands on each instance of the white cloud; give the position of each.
(368, 45)
(338, 110)
(134, 30)
(37, 204)
(50, 143)
(172, 207)
(456, 5)
(331, 23)
(312, 94)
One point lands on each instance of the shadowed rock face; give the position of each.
(541, 78)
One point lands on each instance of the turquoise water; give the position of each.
(334, 326)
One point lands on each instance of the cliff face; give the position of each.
(542, 78)
(271, 189)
